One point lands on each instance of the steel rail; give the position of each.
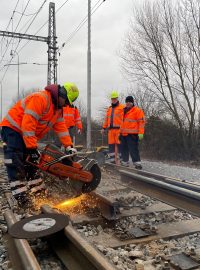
(167, 179)
(74, 251)
(24, 251)
(176, 196)
(108, 209)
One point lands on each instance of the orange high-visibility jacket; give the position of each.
(34, 116)
(117, 117)
(133, 122)
(72, 117)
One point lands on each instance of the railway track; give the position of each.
(176, 192)
(170, 194)
(131, 230)
(74, 252)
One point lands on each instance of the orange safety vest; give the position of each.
(34, 116)
(72, 117)
(117, 117)
(133, 122)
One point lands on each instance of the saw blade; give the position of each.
(96, 172)
(38, 226)
(80, 187)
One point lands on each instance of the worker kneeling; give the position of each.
(24, 125)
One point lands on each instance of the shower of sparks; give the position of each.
(72, 206)
(78, 205)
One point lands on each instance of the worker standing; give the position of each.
(26, 123)
(72, 119)
(112, 122)
(132, 130)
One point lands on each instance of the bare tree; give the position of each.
(146, 100)
(161, 52)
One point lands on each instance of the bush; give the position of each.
(162, 140)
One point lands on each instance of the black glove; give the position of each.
(33, 154)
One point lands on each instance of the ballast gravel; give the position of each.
(131, 256)
(183, 172)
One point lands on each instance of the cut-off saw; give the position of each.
(83, 172)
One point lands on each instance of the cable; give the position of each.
(26, 14)
(25, 32)
(81, 24)
(71, 35)
(20, 40)
(36, 15)
(62, 6)
(77, 28)
(11, 19)
(15, 30)
(42, 26)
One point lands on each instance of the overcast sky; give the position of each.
(110, 23)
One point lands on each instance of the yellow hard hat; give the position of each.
(72, 91)
(114, 94)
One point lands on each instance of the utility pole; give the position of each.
(50, 40)
(89, 79)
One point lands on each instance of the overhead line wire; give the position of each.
(19, 41)
(11, 19)
(26, 14)
(71, 35)
(15, 30)
(42, 26)
(81, 24)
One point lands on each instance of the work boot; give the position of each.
(110, 158)
(138, 165)
(125, 163)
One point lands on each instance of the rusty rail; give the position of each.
(164, 178)
(74, 251)
(26, 258)
(108, 209)
(171, 194)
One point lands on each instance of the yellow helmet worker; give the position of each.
(114, 94)
(72, 91)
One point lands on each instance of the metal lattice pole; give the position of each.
(89, 78)
(51, 41)
(52, 49)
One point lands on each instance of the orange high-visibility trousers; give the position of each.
(113, 136)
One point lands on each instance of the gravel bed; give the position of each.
(147, 222)
(152, 256)
(130, 257)
(183, 172)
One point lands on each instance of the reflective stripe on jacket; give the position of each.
(117, 117)
(133, 122)
(72, 117)
(34, 116)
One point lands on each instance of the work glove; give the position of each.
(70, 150)
(33, 154)
(140, 136)
(79, 131)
